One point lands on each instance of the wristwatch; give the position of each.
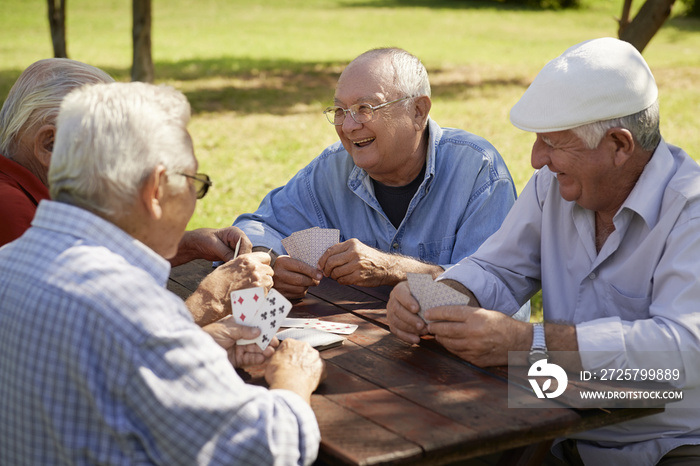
(539, 346)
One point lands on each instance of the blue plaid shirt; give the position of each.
(100, 364)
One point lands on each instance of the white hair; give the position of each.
(410, 76)
(36, 96)
(643, 125)
(110, 137)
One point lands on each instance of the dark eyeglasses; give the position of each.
(201, 183)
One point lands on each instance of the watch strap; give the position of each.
(538, 340)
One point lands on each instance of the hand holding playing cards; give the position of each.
(477, 335)
(226, 332)
(295, 366)
(293, 277)
(212, 299)
(354, 263)
(211, 244)
(402, 313)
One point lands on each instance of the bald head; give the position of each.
(400, 72)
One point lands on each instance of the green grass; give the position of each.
(259, 72)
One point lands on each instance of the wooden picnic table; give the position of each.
(388, 402)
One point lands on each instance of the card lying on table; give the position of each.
(317, 338)
(250, 307)
(430, 293)
(326, 326)
(309, 245)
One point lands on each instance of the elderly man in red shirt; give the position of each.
(27, 131)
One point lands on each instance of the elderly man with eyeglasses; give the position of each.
(27, 133)
(99, 362)
(406, 194)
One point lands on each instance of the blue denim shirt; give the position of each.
(465, 195)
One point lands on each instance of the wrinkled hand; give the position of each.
(354, 263)
(211, 244)
(226, 332)
(294, 277)
(225, 247)
(247, 271)
(212, 299)
(402, 313)
(477, 335)
(295, 366)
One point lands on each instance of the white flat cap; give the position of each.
(596, 80)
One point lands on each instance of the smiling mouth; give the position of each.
(363, 142)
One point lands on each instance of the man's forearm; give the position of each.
(186, 250)
(400, 266)
(454, 284)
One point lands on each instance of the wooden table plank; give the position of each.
(185, 278)
(423, 427)
(348, 438)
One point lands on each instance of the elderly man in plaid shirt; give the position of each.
(99, 363)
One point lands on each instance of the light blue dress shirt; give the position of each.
(465, 195)
(637, 298)
(100, 364)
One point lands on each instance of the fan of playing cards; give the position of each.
(309, 245)
(250, 307)
(430, 293)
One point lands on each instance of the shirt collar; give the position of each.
(26, 179)
(96, 231)
(647, 194)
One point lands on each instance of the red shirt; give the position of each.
(20, 193)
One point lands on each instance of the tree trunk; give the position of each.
(646, 23)
(142, 66)
(57, 23)
(625, 18)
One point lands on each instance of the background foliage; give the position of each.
(259, 72)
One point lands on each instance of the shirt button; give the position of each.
(395, 245)
(592, 276)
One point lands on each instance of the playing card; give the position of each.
(309, 245)
(238, 248)
(245, 304)
(316, 338)
(430, 293)
(298, 322)
(333, 327)
(269, 318)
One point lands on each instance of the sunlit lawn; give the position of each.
(259, 72)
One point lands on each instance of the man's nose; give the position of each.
(540, 155)
(349, 124)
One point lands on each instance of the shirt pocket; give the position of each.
(437, 252)
(619, 303)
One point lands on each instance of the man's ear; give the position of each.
(421, 107)
(43, 144)
(624, 145)
(152, 191)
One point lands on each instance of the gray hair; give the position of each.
(410, 76)
(35, 98)
(643, 125)
(110, 137)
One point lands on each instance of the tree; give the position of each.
(57, 23)
(142, 66)
(645, 24)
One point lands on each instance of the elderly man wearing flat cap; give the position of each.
(609, 228)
